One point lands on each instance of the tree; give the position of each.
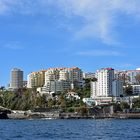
(136, 103)
(128, 90)
(124, 105)
(51, 103)
(94, 79)
(70, 109)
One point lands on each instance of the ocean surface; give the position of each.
(102, 129)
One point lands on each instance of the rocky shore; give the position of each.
(46, 115)
(17, 114)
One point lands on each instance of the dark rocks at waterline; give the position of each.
(3, 115)
(4, 112)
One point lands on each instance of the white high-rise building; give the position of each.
(106, 85)
(105, 78)
(16, 79)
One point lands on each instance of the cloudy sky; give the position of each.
(90, 34)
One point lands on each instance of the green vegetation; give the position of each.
(25, 100)
(28, 99)
(124, 105)
(136, 103)
(128, 90)
(85, 91)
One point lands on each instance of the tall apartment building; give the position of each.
(16, 79)
(52, 74)
(70, 74)
(64, 74)
(75, 74)
(105, 78)
(106, 84)
(36, 79)
(61, 79)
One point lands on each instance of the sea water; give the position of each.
(102, 129)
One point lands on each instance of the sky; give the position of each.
(89, 34)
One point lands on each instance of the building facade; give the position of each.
(128, 76)
(132, 76)
(62, 79)
(36, 79)
(55, 86)
(106, 84)
(136, 89)
(16, 79)
(88, 75)
(117, 88)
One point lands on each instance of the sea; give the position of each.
(79, 129)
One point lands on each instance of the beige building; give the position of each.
(36, 79)
(62, 79)
(55, 79)
(70, 74)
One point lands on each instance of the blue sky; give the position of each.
(90, 34)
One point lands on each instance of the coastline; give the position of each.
(46, 115)
(19, 114)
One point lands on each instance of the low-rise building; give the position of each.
(55, 86)
(89, 75)
(136, 89)
(89, 101)
(72, 96)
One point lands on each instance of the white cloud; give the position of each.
(99, 16)
(25, 7)
(14, 45)
(100, 53)
(3, 8)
